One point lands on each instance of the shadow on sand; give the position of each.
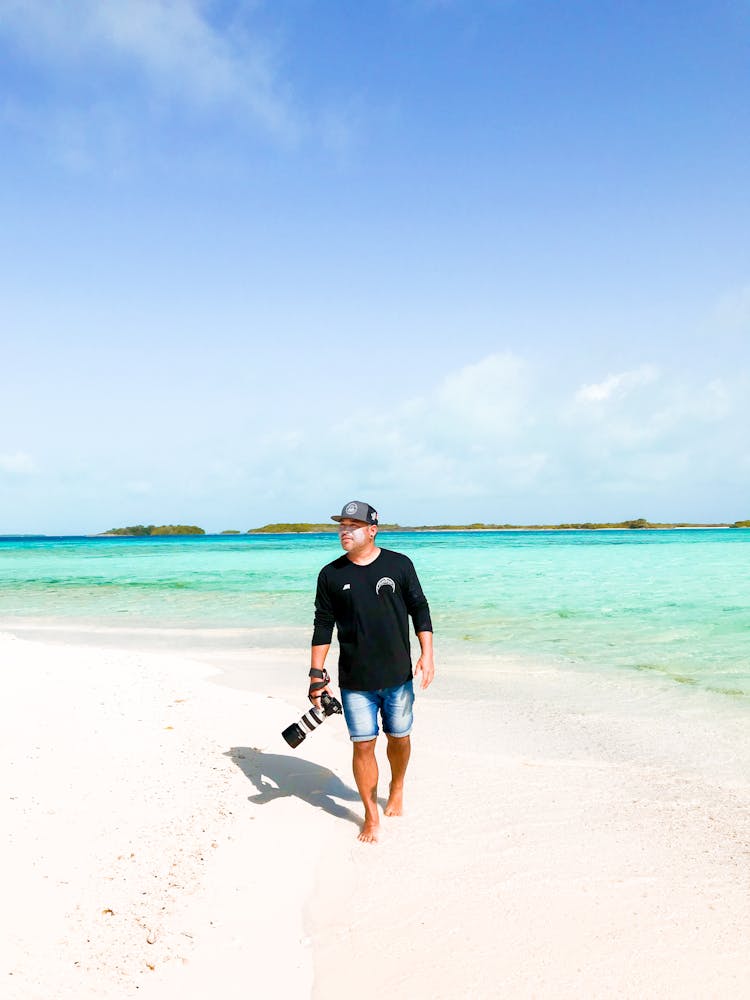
(277, 776)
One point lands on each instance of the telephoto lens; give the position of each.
(310, 721)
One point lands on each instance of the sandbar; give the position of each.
(567, 833)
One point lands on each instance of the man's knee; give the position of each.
(363, 748)
(397, 741)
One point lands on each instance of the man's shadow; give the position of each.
(294, 776)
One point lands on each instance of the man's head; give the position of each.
(358, 525)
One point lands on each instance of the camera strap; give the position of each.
(319, 679)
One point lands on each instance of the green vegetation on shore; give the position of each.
(146, 530)
(301, 528)
(304, 527)
(638, 523)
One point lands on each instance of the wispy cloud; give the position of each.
(502, 439)
(500, 433)
(171, 46)
(616, 386)
(486, 397)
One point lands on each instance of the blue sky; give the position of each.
(469, 260)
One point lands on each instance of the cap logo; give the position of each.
(351, 508)
(373, 515)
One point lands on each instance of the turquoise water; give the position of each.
(674, 602)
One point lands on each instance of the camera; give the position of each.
(310, 721)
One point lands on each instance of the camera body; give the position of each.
(310, 721)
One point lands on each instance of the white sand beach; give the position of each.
(566, 835)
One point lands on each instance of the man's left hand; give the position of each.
(425, 666)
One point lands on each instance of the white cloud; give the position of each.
(499, 434)
(635, 419)
(617, 386)
(17, 464)
(500, 439)
(172, 44)
(485, 397)
(462, 432)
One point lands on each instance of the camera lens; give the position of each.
(294, 735)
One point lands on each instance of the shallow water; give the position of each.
(675, 602)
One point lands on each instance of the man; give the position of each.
(369, 593)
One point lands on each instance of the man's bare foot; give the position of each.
(369, 832)
(395, 804)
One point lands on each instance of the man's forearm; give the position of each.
(317, 659)
(318, 656)
(425, 642)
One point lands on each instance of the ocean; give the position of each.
(674, 602)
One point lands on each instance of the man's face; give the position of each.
(354, 534)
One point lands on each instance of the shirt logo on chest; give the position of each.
(385, 581)
(347, 586)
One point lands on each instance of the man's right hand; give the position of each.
(315, 698)
(320, 681)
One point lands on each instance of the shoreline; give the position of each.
(557, 792)
(385, 529)
(478, 531)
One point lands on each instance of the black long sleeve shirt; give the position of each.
(370, 606)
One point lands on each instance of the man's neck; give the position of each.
(365, 557)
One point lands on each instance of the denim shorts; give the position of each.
(395, 707)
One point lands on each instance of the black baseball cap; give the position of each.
(357, 510)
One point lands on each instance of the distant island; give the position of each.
(304, 527)
(150, 530)
(639, 523)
